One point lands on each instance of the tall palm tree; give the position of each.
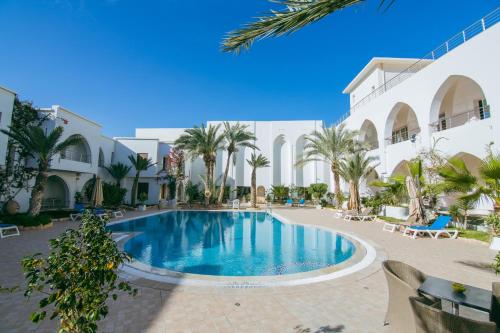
(236, 136)
(295, 15)
(118, 171)
(330, 144)
(140, 164)
(204, 142)
(42, 147)
(256, 162)
(353, 169)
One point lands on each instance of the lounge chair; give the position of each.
(430, 318)
(100, 213)
(302, 202)
(403, 281)
(289, 202)
(80, 209)
(8, 227)
(436, 229)
(364, 215)
(117, 213)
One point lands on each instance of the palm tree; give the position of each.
(331, 144)
(236, 136)
(42, 147)
(354, 168)
(295, 15)
(256, 162)
(118, 171)
(140, 164)
(204, 142)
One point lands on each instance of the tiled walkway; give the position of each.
(355, 303)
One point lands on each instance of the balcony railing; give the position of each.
(460, 119)
(412, 134)
(77, 156)
(54, 203)
(474, 29)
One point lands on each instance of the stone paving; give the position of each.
(354, 303)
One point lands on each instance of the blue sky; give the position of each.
(131, 63)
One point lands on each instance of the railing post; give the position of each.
(447, 47)
(482, 24)
(463, 34)
(433, 55)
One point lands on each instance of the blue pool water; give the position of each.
(232, 244)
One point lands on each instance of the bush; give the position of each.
(26, 220)
(113, 195)
(318, 190)
(192, 192)
(493, 221)
(280, 192)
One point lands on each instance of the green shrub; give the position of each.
(280, 192)
(192, 192)
(493, 221)
(26, 220)
(113, 195)
(318, 190)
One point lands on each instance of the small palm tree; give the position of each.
(295, 15)
(204, 142)
(256, 162)
(331, 144)
(140, 164)
(236, 136)
(118, 171)
(353, 169)
(42, 147)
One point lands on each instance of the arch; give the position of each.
(368, 134)
(100, 161)
(372, 176)
(401, 169)
(87, 189)
(299, 154)
(55, 193)
(80, 152)
(281, 163)
(261, 194)
(458, 100)
(401, 124)
(472, 162)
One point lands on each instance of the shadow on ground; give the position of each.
(322, 329)
(484, 266)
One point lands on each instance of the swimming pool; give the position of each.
(232, 244)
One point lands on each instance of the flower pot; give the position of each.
(495, 244)
(11, 207)
(141, 208)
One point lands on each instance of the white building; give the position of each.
(400, 106)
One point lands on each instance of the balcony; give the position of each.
(460, 119)
(76, 155)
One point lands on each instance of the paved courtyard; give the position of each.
(354, 303)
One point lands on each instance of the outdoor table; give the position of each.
(476, 298)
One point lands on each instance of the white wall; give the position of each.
(6, 105)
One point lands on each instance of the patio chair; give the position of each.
(436, 229)
(289, 202)
(403, 281)
(302, 202)
(236, 204)
(4, 227)
(429, 318)
(495, 303)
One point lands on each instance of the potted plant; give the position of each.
(143, 197)
(493, 221)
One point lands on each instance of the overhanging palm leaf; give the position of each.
(295, 15)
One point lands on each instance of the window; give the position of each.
(143, 155)
(442, 122)
(400, 135)
(483, 108)
(142, 188)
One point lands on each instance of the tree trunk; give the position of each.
(208, 183)
(37, 194)
(254, 188)
(336, 182)
(134, 189)
(353, 196)
(224, 178)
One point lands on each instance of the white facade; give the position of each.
(6, 105)
(454, 99)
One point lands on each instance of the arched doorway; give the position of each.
(401, 169)
(79, 152)
(368, 134)
(401, 124)
(261, 194)
(281, 161)
(458, 101)
(55, 194)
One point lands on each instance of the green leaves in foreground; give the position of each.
(77, 277)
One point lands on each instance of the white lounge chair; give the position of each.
(8, 227)
(364, 215)
(390, 227)
(117, 213)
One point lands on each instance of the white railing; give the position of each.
(412, 133)
(474, 29)
(73, 155)
(461, 118)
